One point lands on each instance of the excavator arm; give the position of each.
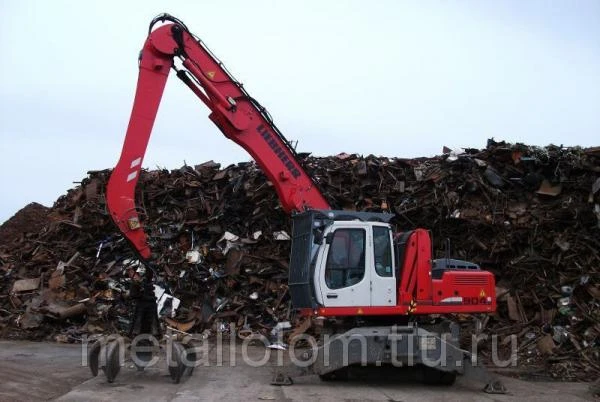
(239, 117)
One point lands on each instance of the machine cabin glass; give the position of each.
(382, 250)
(346, 258)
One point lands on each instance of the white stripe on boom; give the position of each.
(135, 162)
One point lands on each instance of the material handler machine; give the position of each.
(377, 292)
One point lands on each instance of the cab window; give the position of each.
(382, 251)
(346, 258)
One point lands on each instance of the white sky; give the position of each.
(394, 78)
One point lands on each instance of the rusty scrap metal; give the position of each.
(529, 214)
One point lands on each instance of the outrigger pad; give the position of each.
(281, 379)
(494, 387)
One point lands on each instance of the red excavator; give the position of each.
(363, 281)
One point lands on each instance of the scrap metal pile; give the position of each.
(531, 215)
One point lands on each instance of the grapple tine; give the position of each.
(113, 365)
(93, 357)
(176, 363)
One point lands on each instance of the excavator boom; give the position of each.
(239, 117)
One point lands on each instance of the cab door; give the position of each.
(383, 281)
(342, 276)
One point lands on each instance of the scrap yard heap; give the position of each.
(530, 215)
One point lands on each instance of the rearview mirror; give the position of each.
(329, 238)
(317, 236)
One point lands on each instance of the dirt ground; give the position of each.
(39, 371)
(48, 371)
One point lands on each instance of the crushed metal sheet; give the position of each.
(26, 285)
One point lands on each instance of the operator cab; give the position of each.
(342, 259)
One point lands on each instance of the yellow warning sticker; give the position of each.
(482, 293)
(211, 74)
(359, 311)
